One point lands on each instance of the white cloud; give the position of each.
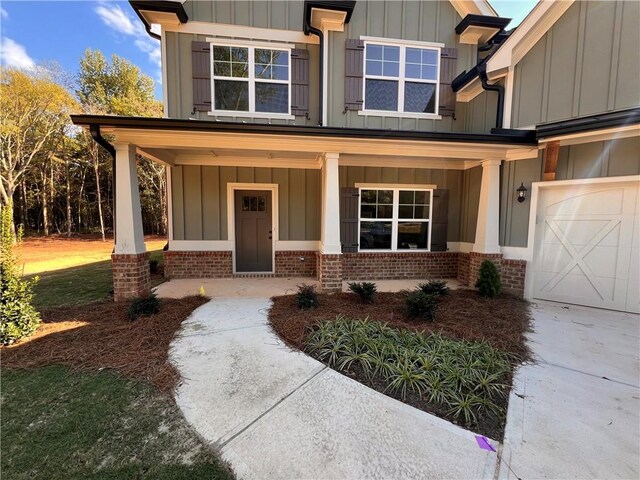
(120, 21)
(13, 54)
(3, 13)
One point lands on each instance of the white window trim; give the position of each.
(395, 214)
(401, 79)
(251, 79)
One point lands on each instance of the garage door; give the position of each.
(586, 248)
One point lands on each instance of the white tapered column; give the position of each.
(330, 236)
(129, 234)
(488, 225)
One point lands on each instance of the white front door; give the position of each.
(586, 245)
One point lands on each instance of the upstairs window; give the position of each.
(401, 78)
(251, 79)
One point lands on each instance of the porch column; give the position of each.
(487, 242)
(130, 259)
(330, 256)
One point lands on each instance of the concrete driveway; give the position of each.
(575, 413)
(279, 414)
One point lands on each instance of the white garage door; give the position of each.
(586, 248)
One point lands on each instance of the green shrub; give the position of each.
(421, 305)
(488, 283)
(307, 297)
(365, 290)
(18, 318)
(153, 265)
(147, 305)
(437, 287)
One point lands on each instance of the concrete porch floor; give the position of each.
(266, 287)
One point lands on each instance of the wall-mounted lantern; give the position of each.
(522, 193)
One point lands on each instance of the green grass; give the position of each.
(58, 424)
(76, 285)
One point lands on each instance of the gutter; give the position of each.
(94, 129)
(308, 29)
(482, 74)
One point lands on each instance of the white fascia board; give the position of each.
(543, 16)
(241, 31)
(470, 91)
(477, 7)
(614, 133)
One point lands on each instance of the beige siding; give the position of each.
(587, 63)
(463, 191)
(199, 199)
(590, 160)
(402, 19)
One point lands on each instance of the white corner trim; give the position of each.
(199, 245)
(516, 253)
(543, 16)
(231, 217)
(169, 204)
(240, 31)
(163, 61)
(297, 245)
(462, 247)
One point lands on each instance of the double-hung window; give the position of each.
(395, 219)
(250, 79)
(401, 78)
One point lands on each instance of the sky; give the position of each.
(42, 32)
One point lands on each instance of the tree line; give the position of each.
(54, 177)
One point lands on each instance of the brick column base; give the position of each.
(512, 272)
(329, 268)
(131, 275)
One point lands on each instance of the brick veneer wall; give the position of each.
(131, 275)
(395, 266)
(198, 264)
(288, 263)
(512, 273)
(329, 268)
(476, 259)
(463, 268)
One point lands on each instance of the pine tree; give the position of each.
(488, 284)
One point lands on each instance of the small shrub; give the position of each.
(307, 297)
(488, 284)
(421, 305)
(153, 265)
(147, 305)
(437, 287)
(365, 290)
(18, 318)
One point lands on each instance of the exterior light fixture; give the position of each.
(522, 193)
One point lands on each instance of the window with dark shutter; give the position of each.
(448, 64)
(349, 219)
(353, 72)
(440, 215)
(201, 71)
(300, 82)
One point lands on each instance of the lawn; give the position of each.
(458, 367)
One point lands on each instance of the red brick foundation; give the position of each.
(463, 268)
(296, 263)
(131, 276)
(329, 268)
(397, 266)
(198, 264)
(476, 259)
(512, 272)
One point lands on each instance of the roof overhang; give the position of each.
(328, 14)
(160, 134)
(478, 29)
(475, 7)
(161, 12)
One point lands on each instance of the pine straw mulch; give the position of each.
(95, 336)
(463, 314)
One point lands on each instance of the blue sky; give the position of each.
(36, 32)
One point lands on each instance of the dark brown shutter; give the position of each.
(440, 215)
(448, 65)
(353, 73)
(300, 82)
(349, 219)
(201, 70)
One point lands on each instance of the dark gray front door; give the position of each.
(253, 231)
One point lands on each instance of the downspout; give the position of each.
(94, 129)
(307, 30)
(482, 74)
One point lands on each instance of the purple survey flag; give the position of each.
(484, 444)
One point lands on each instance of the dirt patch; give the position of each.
(99, 335)
(463, 314)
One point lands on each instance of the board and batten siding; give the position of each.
(199, 200)
(401, 19)
(611, 158)
(279, 14)
(463, 186)
(587, 63)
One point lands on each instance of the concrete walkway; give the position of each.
(279, 414)
(575, 413)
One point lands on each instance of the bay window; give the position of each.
(250, 79)
(401, 78)
(395, 219)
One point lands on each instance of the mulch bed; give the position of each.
(463, 314)
(100, 335)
